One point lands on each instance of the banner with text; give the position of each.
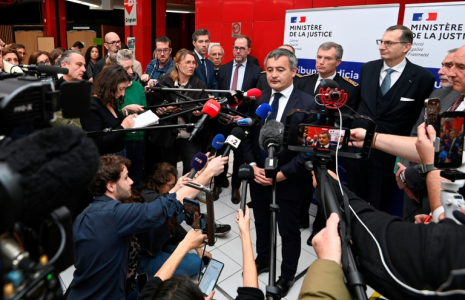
(437, 28)
(355, 28)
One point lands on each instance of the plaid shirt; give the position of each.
(154, 72)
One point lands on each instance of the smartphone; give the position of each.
(192, 212)
(432, 109)
(210, 277)
(449, 152)
(322, 138)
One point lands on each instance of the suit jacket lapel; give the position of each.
(199, 72)
(265, 98)
(229, 67)
(291, 104)
(372, 89)
(247, 73)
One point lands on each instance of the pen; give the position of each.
(428, 218)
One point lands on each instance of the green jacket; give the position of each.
(134, 95)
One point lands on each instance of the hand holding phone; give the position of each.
(210, 277)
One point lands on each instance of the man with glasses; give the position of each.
(162, 64)
(112, 44)
(242, 75)
(216, 55)
(392, 93)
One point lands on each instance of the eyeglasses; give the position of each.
(162, 51)
(239, 48)
(114, 43)
(46, 62)
(388, 43)
(217, 54)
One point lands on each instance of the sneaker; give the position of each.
(202, 197)
(221, 229)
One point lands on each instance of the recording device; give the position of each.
(294, 134)
(197, 163)
(271, 141)
(27, 101)
(331, 138)
(211, 276)
(245, 174)
(331, 95)
(217, 143)
(209, 110)
(449, 150)
(34, 196)
(192, 212)
(233, 140)
(432, 109)
(244, 122)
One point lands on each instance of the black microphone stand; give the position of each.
(271, 169)
(111, 130)
(355, 280)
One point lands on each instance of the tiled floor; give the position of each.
(228, 250)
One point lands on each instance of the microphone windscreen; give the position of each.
(211, 108)
(254, 94)
(246, 172)
(218, 141)
(329, 83)
(238, 132)
(199, 161)
(271, 132)
(54, 165)
(52, 69)
(264, 110)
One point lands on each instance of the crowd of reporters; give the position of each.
(144, 236)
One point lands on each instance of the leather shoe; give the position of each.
(284, 285)
(216, 192)
(261, 267)
(235, 196)
(226, 184)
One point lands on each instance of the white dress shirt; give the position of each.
(394, 75)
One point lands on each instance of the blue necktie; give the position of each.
(275, 107)
(204, 67)
(386, 84)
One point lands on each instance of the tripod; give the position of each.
(328, 201)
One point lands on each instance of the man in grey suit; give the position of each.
(410, 179)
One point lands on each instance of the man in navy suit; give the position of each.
(237, 75)
(205, 70)
(292, 178)
(392, 91)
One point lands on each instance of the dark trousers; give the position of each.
(135, 151)
(288, 226)
(182, 147)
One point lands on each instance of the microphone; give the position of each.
(330, 95)
(223, 115)
(197, 163)
(46, 69)
(245, 122)
(217, 143)
(210, 109)
(262, 112)
(233, 140)
(39, 166)
(245, 174)
(252, 94)
(271, 137)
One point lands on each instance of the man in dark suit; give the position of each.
(112, 44)
(205, 70)
(216, 55)
(292, 178)
(392, 92)
(262, 83)
(238, 74)
(328, 58)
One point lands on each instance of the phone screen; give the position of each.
(192, 212)
(450, 135)
(322, 138)
(210, 277)
(432, 109)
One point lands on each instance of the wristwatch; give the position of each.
(424, 169)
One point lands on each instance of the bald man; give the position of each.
(112, 44)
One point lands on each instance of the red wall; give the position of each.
(263, 20)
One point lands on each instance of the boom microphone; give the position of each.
(245, 174)
(217, 143)
(48, 167)
(210, 109)
(233, 140)
(197, 163)
(46, 69)
(330, 95)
